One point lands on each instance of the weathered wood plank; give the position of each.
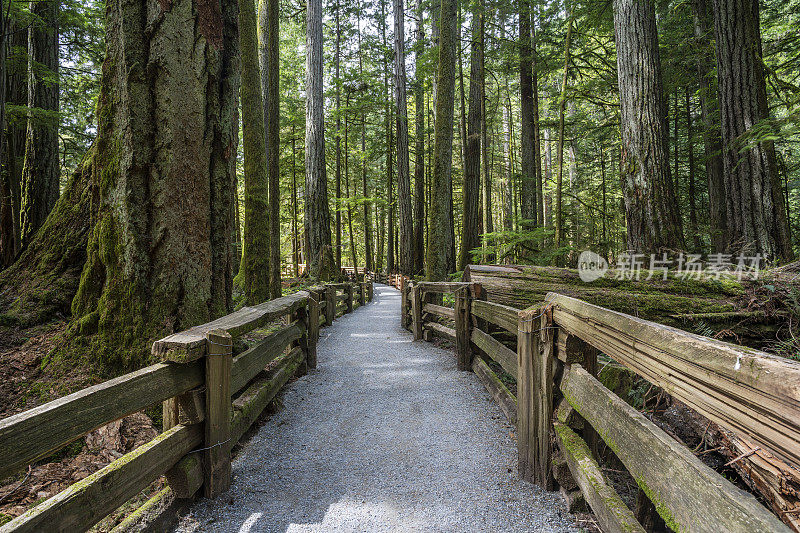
(250, 404)
(32, 434)
(611, 512)
(90, 500)
(442, 286)
(500, 393)
(463, 326)
(440, 310)
(687, 494)
(190, 344)
(186, 477)
(754, 394)
(249, 363)
(216, 456)
(496, 350)
(441, 331)
(500, 315)
(416, 311)
(527, 349)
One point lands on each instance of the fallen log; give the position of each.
(700, 305)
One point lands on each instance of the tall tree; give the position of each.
(527, 155)
(418, 250)
(440, 232)
(254, 269)
(144, 234)
(364, 187)
(317, 210)
(712, 141)
(472, 143)
(562, 105)
(650, 203)
(390, 224)
(15, 83)
(757, 221)
(337, 54)
(406, 233)
(270, 73)
(40, 173)
(693, 228)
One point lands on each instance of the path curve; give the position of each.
(385, 436)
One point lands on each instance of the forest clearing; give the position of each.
(593, 203)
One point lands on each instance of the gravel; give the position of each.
(385, 435)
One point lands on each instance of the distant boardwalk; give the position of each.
(386, 435)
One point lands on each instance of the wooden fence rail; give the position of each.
(551, 349)
(210, 399)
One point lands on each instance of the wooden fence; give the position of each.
(210, 399)
(562, 411)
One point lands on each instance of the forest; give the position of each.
(163, 163)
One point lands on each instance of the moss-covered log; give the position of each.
(689, 304)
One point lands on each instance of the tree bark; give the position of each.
(406, 233)
(757, 221)
(12, 155)
(337, 136)
(440, 233)
(562, 104)
(472, 148)
(693, 229)
(272, 132)
(254, 270)
(317, 210)
(712, 140)
(651, 208)
(418, 250)
(40, 173)
(144, 233)
(364, 187)
(527, 132)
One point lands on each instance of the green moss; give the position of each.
(661, 508)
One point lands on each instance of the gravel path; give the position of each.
(386, 435)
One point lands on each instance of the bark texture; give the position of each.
(40, 173)
(160, 252)
(15, 82)
(440, 233)
(712, 141)
(757, 221)
(472, 148)
(406, 230)
(418, 250)
(651, 208)
(527, 191)
(317, 210)
(254, 271)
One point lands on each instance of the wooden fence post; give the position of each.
(416, 311)
(302, 316)
(362, 293)
(349, 301)
(216, 456)
(404, 318)
(534, 396)
(313, 328)
(463, 320)
(330, 302)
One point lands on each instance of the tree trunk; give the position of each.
(488, 222)
(418, 251)
(364, 189)
(155, 196)
(527, 132)
(12, 155)
(440, 233)
(712, 141)
(537, 147)
(651, 207)
(757, 221)
(472, 149)
(695, 234)
(270, 69)
(295, 238)
(406, 234)
(337, 137)
(40, 173)
(562, 104)
(317, 210)
(254, 270)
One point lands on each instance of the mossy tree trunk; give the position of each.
(160, 254)
(40, 173)
(405, 235)
(254, 271)
(440, 232)
(418, 249)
